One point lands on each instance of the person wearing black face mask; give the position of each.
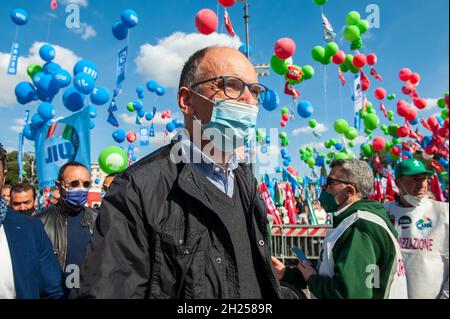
(23, 197)
(70, 224)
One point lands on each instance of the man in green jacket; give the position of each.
(361, 257)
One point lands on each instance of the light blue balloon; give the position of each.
(73, 100)
(37, 121)
(152, 86)
(47, 52)
(51, 68)
(46, 111)
(119, 135)
(25, 92)
(47, 86)
(92, 112)
(160, 91)
(100, 95)
(19, 16)
(130, 18)
(305, 109)
(140, 89)
(264, 149)
(86, 66)
(272, 100)
(84, 83)
(138, 105)
(338, 146)
(62, 78)
(120, 30)
(268, 140)
(149, 116)
(29, 132)
(170, 127)
(37, 78)
(243, 49)
(286, 163)
(141, 113)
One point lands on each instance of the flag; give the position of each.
(377, 193)
(152, 131)
(64, 141)
(14, 58)
(341, 77)
(228, 24)
(54, 5)
(290, 90)
(288, 177)
(280, 194)
(289, 204)
(436, 188)
(389, 192)
(130, 154)
(138, 120)
(269, 204)
(375, 74)
(328, 32)
(112, 107)
(358, 100)
(312, 215)
(20, 148)
(364, 80)
(377, 163)
(383, 109)
(144, 133)
(112, 120)
(121, 65)
(270, 186)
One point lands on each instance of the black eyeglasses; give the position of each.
(76, 184)
(330, 181)
(234, 87)
(105, 188)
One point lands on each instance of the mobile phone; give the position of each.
(300, 255)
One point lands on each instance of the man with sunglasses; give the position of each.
(187, 220)
(361, 257)
(69, 224)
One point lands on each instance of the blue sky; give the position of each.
(412, 34)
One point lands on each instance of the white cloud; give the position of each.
(320, 128)
(164, 61)
(64, 57)
(86, 31)
(83, 3)
(431, 103)
(18, 126)
(157, 120)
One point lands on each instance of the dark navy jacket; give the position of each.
(36, 271)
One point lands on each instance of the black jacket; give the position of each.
(55, 225)
(157, 236)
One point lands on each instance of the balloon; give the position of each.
(396, 151)
(62, 78)
(359, 60)
(243, 50)
(414, 78)
(227, 3)
(402, 108)
(351, 144)
(160, 91)
(441, 103)
(331, 48)
(320, 2)
(19, 16)
(100, 95)
(305, 109)
(120, 30)
(405, 74)
(380, 94)
(312, 123)
(284, 110)
(47, 53)
(46, 111)
(73, 100)
(351, 133)
(278, 65)
(340, 126)
(363, 26)
(352, 33)
(92, 112)
(47, 86)
(338, 146)
(285, 117)
(371, 121)
(29, 132)
(411, 115)
(86, 66)
(152, 86)
(271, 101)
(282, 136)
(353, 18)
(130, 107)
(33, 69)
(391, 97)
(308, 72)
(119, 135)
(285, 48)
(432, 122)
(206, 21)
(415, 121)
(378, 143)
(140, 113)
(36, 121)
(149, 116)
(402, 132)
(339, 57)
(319, 161)
(392, 130)
(129, 18)
(25, 92)
(91, 124)
(113, 159)
(84, 83)
(51, 68)
(131, 137)
(372, 59)
(170, 127)
(318, 53)
(311, 162)
(444, 114)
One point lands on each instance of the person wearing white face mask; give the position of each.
(423, 232)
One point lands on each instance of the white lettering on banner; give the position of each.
(416, 243)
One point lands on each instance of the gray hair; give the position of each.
(358, 173)
(192, 72)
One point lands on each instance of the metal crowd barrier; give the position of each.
(308, 238)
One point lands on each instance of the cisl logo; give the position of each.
(422, 224)
(404, 222)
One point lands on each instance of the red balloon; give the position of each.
(285, 48)
(227, 3)
(420, 103)
(285, 117)
(407, 89)
(414, 78)
(443, 132)
(446, 100)
(437, 140)
(282, 123)
(378, 143)
(431, 150)
(432, 122)
(446, 124)
(206, 21)
(131, 137)
(339, 57)
(411, 115)
(372, 59)
(405, 74)
(396, 151)
(402, 108)
(359, 60)
(380, 94)
(402, 131)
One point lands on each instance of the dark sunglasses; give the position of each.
(76, 184)
(330, 181)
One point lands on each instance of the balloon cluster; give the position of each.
(341, 127)
(411, 81)
(173, 125)
(120, 136)
(154, 87)
(128, 20)
(284, 116)
(283, 139)
(356, 27)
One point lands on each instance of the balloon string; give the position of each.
(48, 27)
(325, 91)
(17, 34)
(340, 101)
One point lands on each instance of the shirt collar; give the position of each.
(343, 209)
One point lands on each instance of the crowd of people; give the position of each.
(184, 229)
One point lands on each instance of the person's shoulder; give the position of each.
(21, 221)
(46, 213)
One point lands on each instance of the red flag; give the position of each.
(383, 109)
(389, 193)
(375, 74)
(228, 24)
(377, 163)
(425, 124)
(436, 166)
(290, 90)
(377, 193)
(54, 5)
(269, 204)
(365, 82)
(341, 77)
(289, 204)
(436, 188)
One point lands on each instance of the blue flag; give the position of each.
(14, 59)
(112, 107)
(121, 65)
(112, 120)
(152, 131)
(270, 186)
(288, 177)
(58, 143)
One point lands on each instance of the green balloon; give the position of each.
(327, 145)
(396, 141)
(367, 150)
(340, 126)
(333, 142)
(33, 69)
(113, 159)
(352, 33)
(331, 48)
(356, 45)
(371, 121)
(350, 154)
(370, 106)
(284, 110)
(345, 67)
(349, 59)
(391, 97)
(308, 72)
(441, 103)
(444, 114)
(283, 136)
(354, 69)
(351, 133)
(278, 65)
(384, 128)
(367, 131)
(320, 2)
(328, 162)
(327, 59)
(311, 162)
(312, 123)
(363, 26)
(353, 17)
(388, 145)
(130, 107)
(318, 53)
(392, 129)
(310, 149)
(341, 156)
(351, 144)
(331, 155)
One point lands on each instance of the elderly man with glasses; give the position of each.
(69, 224)
(361, 257)
(187, 221)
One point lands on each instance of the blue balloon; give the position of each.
(100, 96)
(37, 121)
(130, 18)
(141, 113)
(86, 66)
(440, 120)
(264, 149)
(426, 141)
(84, 83)
(271, 101)
(286, 163)
(29, 132)
(62, 78)
(415, 121)
(120, 30)
(47, 86)
(51, 68)
(46, 111)
(443, 162)
(338, 146)
(119, 135)
(160, 91)
(152, 86)
(283, 153)
(140, 92)
(138, 105)
(97, 181)
(92, 112)
(170, 127)
(388, 159)
(91, 124)
(305, 109)
(407, 154)
(268, 140)
(149, 116)
(25, 92)
(320, 161)
(73, 100)
(37, 78)
(19, 16)
(243, 49)
(47, 53)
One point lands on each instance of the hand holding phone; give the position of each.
(300, 255)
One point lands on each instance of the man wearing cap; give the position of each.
(422, 226)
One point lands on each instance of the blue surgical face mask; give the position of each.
(235, 122)
(75, 198)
